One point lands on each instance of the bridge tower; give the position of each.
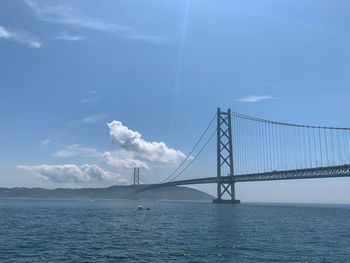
(224, 158)
(136, 176)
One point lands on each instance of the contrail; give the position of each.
(180, 59)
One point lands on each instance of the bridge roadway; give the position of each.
(309, 173)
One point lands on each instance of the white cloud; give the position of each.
(119, 159)
(20, 36)
(4, 33)
(123, 159)
(94, 118)
(64, 14)
(45, 142)
(255, 98)
(134, 152)
(65, 36)
(89, 100)
(71, 173)
(131, 141)
(77, 150)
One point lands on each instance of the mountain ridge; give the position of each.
(111, 192)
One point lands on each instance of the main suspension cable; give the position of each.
(239, 115)
(195, 157)
(144, 179)
(189, 154)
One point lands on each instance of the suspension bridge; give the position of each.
(251, 149)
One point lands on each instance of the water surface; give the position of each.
(114, 231)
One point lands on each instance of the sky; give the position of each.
(92, 89)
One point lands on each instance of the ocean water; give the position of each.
(115, 231)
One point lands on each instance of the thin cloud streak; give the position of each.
(77, 150)
(64, 14)
(89, 100)
(20, 37)
(68, 37)
(256, 98)
(45, 142)
(94, 118)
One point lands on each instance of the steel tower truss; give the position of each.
(136, 176)
(224, 158)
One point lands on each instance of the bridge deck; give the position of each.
(318, 172)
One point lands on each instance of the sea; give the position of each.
(34, 230)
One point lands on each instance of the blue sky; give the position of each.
(157, 70)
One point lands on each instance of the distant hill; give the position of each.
(113, 192)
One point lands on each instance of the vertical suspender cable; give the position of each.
(277, 148)
(319, 136)
(240, 146)
(300, 147)
(235, 142)
(264, 135)
(315, 148)
(258, 142)
(284, 147)
(304, 147)
(258, 153)
(260, 147)
(325, 135)
(332, 144)
(308, 134)
(340, 159)
(294, 145)
(290, 148)
(282, 151)
(271, 148)
(346, 146)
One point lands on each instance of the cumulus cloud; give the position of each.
(134, 152)
(20, 36)
(65, 14)
(123, 159)
(77, 150)
(118, 159)
(65, 36)
(71, 173)
(256, 98)
(131, 141)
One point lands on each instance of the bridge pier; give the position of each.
(224, 157)
(217, 201)
(230, 190)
